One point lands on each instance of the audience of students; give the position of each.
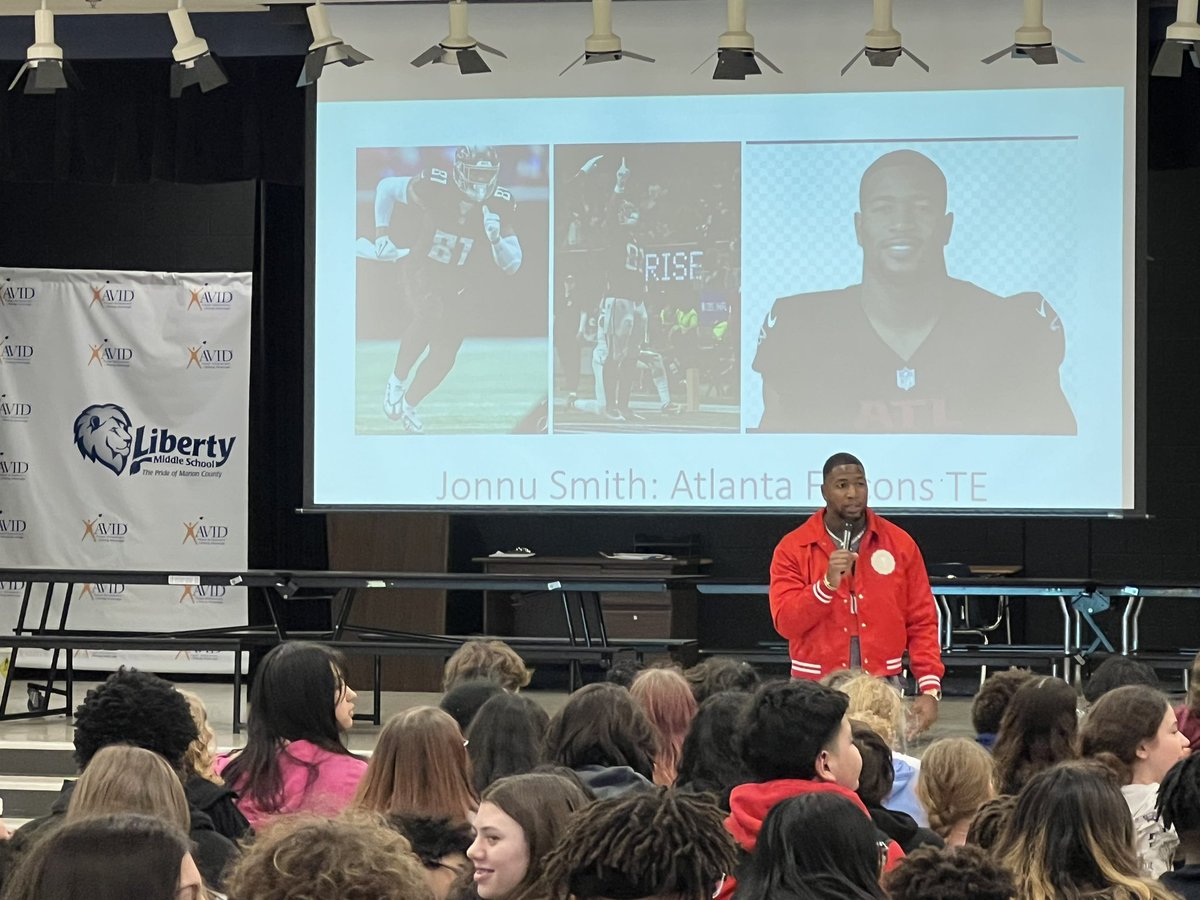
(506, 738)
(666, 699)
(294, 760)
(419, 767)
(957, 777)
(718, 674)
(1037, 730)
(1133, 731)
(529, 808)
(1114, 672)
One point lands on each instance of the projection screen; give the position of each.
(635, 287)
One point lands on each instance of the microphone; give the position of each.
(847, 529)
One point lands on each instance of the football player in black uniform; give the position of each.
(911, 349)
(457, 229)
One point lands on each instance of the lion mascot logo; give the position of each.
(102, 435)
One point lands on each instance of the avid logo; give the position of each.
(108, 530)
(13, 469)
(14, 410)
(110, 296)
(12, 527)
(92, 590)
(11, 589)
(109, 354)
(208, 299)
(14, 353)
(201, 533)
(105, 434)
(203, 356)
(12, 294)
(203, 593)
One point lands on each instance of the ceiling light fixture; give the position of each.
(735, 53)
(882, 46)
(326, 48)
(458, 48)
(1183, 37)
(1034, 40)
(195, 64)
(47, 70)
(602, 45)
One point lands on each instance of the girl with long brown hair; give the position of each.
(419, 767)
(1038, 730)
(668, 702)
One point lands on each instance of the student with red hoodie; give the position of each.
(796, 740)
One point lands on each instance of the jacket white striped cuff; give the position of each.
(821, 592)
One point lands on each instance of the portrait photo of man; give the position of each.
(911, 348)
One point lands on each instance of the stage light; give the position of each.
(602, 45)
(47, 70)
(1182, 37)
(458, 48)
(326, 48)
(882, 46)
(735, 53)
(195, 64)
(1034, 40)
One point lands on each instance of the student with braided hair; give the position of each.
(649, 844)
(1179, 808)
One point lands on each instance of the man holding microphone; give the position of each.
(849, 590)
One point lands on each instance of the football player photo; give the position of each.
(647, 288)
(452, 330)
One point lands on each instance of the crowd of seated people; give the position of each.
(660, 783)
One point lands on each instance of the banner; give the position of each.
(124, 412)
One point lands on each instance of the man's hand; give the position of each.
(840, 562)
(590, 164)
(924, 713)
(385, 249)
(491, 224)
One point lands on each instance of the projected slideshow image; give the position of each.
(647, 287)
(923, 288)
(451, 331)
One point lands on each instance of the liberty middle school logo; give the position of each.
(105, 434)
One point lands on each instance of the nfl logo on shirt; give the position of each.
(906, 379)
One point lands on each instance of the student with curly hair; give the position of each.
(440, 844)
(875, 783)
(814, 847)
(294, 759)
(519, 821)
(1071, 838)
(1179, 809)
(957, 777)
(719, 674)
(666, 699)
(711, 758)
(990, 822)
(603, 735)
(953, 873)
(109, 858)
(1133, 731)
(141, 710)
(1038, 730)
(656, 843)
(492, 659)
(349, 858)
(505, 738)
(991, 700)
(419, 767)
